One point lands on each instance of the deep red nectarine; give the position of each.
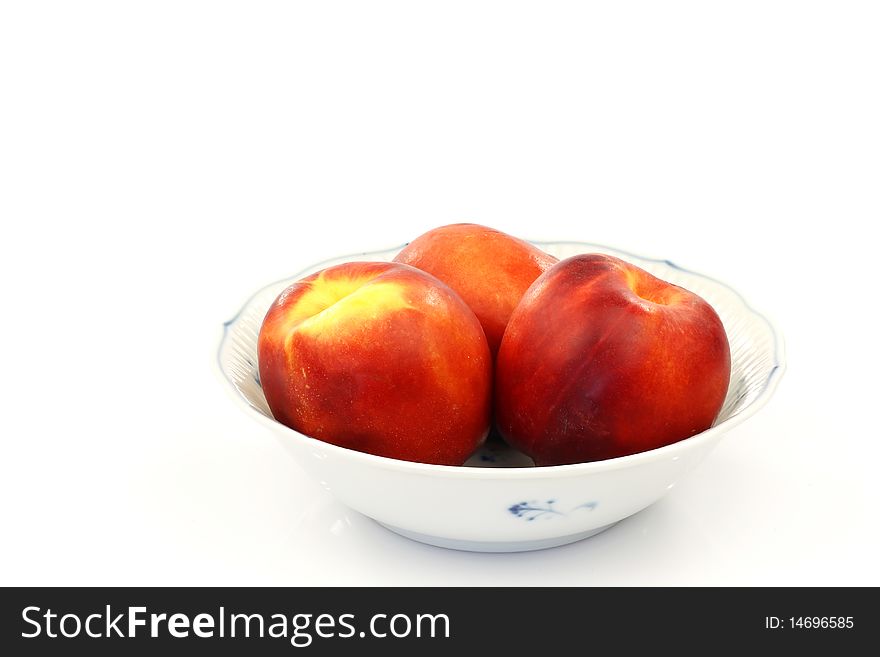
(601, 359)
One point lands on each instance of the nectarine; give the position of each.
(489, 269)
(601, 359)
(381, 358)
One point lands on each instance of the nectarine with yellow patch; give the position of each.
(381, 358)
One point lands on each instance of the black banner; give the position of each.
(113, 621)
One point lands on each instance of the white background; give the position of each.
(160, 161)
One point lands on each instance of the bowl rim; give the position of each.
(672, 451)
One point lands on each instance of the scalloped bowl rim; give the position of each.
(534, 472)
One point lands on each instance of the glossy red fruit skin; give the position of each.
(489, 269)
(601, 359)
(407, 375)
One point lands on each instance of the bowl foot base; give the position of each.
(496, 546)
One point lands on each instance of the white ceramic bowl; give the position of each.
(499, 501)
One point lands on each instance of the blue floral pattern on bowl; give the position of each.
(534, 509)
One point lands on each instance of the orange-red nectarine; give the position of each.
(489, 269)
(381, 358)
